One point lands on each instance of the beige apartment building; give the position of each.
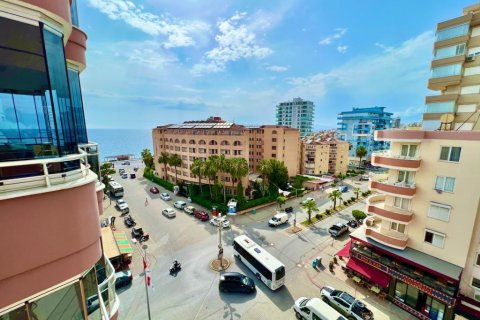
(455, 73)
(214, 136)
(320, 156)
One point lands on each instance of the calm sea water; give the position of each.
(121, 141)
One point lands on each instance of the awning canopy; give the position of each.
(345, 251)
(122, 242)
(115, 243)
(369, 272)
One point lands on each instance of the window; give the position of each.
(476, 283)
(399, 227)
(401, 203)
(440, 107)
(452, 32)
(470, 89)
(409, 150)
(451, 51)
(450, 154)
(445, 183)
(478, 260)
(274, 155)
(447, 71)
(405, 177)
(254, 262)
(434, 238)
(439, 211)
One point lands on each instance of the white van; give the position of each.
(278, 219)
(315, 308)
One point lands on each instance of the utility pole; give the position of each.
(145, 247)
(220, 247)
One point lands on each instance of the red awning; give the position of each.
(369, 272)
(345, 251)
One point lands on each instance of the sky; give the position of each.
(154, 62)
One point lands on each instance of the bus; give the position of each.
(266, 267)
(116, 190)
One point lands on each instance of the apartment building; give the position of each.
(423, 220)
(214, 136)
(324, 155)
(455, 73)
(357, 126)
(297, 113)
(50, 197)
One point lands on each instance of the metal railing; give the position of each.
(108, 284)
(389, 154)
(383, 179)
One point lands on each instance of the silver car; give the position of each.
(165, 196)
(180, 204)
(220, 221)
(169, 213)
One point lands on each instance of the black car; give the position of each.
(123, 279)
(129, 222)
(289, 209)
(353, 223)
(236, 282)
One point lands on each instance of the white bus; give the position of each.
(266, 267)
(115, 188)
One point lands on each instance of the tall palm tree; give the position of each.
(334, 196)
(238, 169)
(265, 167)
(175, 161)
(223, 166)
(357, 191)
(210, 171)
(310, 206)
(198, 168)
(360, 153)
(164, 159)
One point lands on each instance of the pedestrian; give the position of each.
(112, 222)
(146, 202)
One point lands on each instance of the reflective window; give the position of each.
(440, 107)
(452, 32)
(74, 13)
(451, 51)
(17, 314)
(79, 115)
(91, 294)
(65, 303)
(446, 71)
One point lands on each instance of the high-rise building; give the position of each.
(297, 113)
(396, 123)
(322, 153)
(50, 197)
(214, 136)
(455, 73)
(357, 127)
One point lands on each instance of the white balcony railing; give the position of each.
(383, 179)
(389, 154)
(108, 285)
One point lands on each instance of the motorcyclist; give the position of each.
(176, 264)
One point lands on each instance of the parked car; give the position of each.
(201, 215)
(126, 163)
(346, 304)
(133, 175)
(353, 223)
(278, 219)
(121, 171)
(364, 177)
(307, 200)
(129, 222)
(124, 176)
(223, 221)
(315, 308)
(338, 229)
(343, 189)
(154, 190)
(289, 209)
(189, 209)
(236, 282)
(123, 279)
(180, 204)
(139, 234)
(122, 206)
(169, 212)
(165, 196)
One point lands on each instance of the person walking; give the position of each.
(146, 202)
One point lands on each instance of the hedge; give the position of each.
(166, 184)
(207, 203)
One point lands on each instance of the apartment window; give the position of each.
(409, 150)
(477, 262)
(447, 71)
(399, 227)
(401, 203)
(274, 139)
(405, 177)
(445, 183)
(184, 149)
(470, 89)
(452, 32)
(439, 211)
(450, 51)
(274, 155)
(434, 238)
(440, 107)
(274, 147)
(450, 154)
(476, 283)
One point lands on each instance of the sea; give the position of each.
(113, 142)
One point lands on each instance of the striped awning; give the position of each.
(123, 243)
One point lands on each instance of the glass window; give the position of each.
(440, 107)
(478, 260)
(434, 238)
(411, 297)
(445, 183)
(452, 32)
(400, 290)
(62, 304)
(446, 71)
(439, 211)
(401, 203)
(90, 286)
(78, 112)
(434, 308)
(476, 283)
(74, 13)
(17, 314)
(450, 154)
(450, 51)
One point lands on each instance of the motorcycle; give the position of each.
(129, 222)
(175, 267)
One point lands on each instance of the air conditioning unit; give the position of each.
(470, 57)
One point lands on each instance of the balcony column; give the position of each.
(45, 172)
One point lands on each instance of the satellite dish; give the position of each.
(446, 121)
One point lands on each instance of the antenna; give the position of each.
(446, 121)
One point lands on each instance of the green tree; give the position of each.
(175, 161)
(341, 177)
(164, 159)
(224, 167)
(264, 168)
(360, 153)
(198, 168)
(281, 201)
(358, 214)
(147, 158)
(278, 176)
(210, 171)
(238, 169)
(310, 206)
(240, 193)
(334, 196)
(106, 169)
(357, 191)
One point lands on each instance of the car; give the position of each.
(154, 190)
(139, 234)
(180, 204)
(353, 223)
(121, 171)
(201, 215)
(122, 206)
(165, 196)
(343, 189)
(315, 308)
(124, 176)
(346, 304)
(123, 279)
(126, 163)
(338, 229)
(169, 212)
(278, 219)
(189, 209)
(133, 175)
(289, 209)
(307, 200)
(364, 177)
(223, 221)
(236, 282)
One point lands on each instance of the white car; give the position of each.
(165, 196)
(346, 304)
(180, 204)
(122, 206)
(223, 221)
(189, 209)
(169, 212)
(307, 200)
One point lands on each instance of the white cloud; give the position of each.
(383, 46)
(276, 68)
(234, 42)
(178, 33)
(409, 112)
(342, 49)
(339, 33)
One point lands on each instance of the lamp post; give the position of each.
(220, 247)
(145, 247)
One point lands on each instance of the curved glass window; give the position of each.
(452, 32)
(79, 115)
(446, 71)
(74, 13)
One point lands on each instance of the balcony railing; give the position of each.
(382, 184)
(108, 299)
(387, 159)
(376, 205)
(394, 239)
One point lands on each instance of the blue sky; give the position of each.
(152, 62)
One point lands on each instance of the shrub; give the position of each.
(345, 203)
(327, 211)
(208, 204)
(166, 184)
(318, 216)
(352, 198)
(255, 202)
(365, 193)
(358, 214)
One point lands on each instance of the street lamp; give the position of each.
(220, 248)
(145, 247)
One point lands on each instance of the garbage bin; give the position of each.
(314, 263)
(254, 211)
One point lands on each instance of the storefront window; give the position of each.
(62, 304)
(434, 309)
(411, 297)
(17, 314)
(400, 290)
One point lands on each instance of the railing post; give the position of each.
(45, 172)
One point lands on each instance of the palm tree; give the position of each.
(310, 206)
(265, 167)
(238, 169)
(360, 153)
(164, 159)
(334, 195)
(210, 171)
(175, 161)
(223, 165)
(340, 177)
(357, 191)
(198, 168)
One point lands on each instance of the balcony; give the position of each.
(309, 165)
(382, 184)
(376, 206)
(441, 83)
(387, 159)
(374, 230)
